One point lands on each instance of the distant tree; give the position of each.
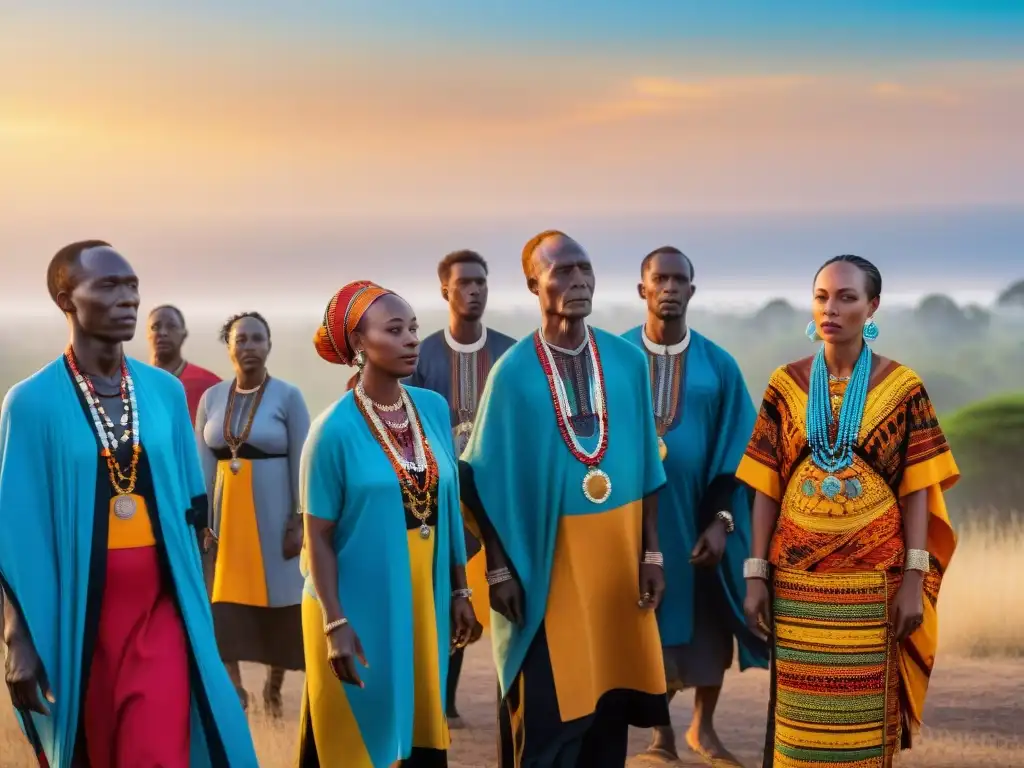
(939, 315)
(1013, 296)
(776, 315)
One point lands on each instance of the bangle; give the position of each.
(917, 560)
(654, 558)
(756, 568)
(462, 593)
(726, 517)
(333, 625)
(498, 576)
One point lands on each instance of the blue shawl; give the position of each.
(346, 478)
(48, 472)
(524, 477)
(706, 441)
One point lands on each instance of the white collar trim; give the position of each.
(466, 349)
(665, 349)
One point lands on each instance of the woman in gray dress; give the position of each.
(250, 430)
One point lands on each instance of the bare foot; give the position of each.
(705, 743)
(663, 745)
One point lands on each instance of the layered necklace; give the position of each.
(836, 454)
(666, 368)
(236, 441)
(124, 484)
(417, 477)
(597, 485)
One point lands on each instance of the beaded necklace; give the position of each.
(835, 456)
(124, 505)
(418, 495)
(597, 485)
(233, 441)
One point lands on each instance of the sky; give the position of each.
(174, 126)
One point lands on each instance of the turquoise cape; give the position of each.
(48, 476)
(706, 441)
(519, 476)
(347, 478)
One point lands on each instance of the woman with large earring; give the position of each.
(250, 430)
(386, 598)
(850, 536)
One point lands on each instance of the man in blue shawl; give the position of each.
(704, 418)
(111, 653)
(561, 478)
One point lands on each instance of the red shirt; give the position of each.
(196, 381)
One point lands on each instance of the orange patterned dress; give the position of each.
(843, 691)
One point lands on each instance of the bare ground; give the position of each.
(975, 708)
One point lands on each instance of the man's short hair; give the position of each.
(534, 243)
(465, 256)
(63, 263)
(646, 263)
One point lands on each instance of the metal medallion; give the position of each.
(424, 531)
(235, 466)
(124, 507)
(597, 486)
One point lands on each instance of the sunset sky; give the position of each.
(136, 115)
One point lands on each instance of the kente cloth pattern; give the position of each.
(832, 635)
(901, 450)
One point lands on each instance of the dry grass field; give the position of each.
(974, 710)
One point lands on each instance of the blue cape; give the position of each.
(706, 441)
(525, 478)
(346, 478)
(48, 475)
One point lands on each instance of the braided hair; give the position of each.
(872, 277)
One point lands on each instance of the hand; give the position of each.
(652, 586)
(507, 600)
(710, 546)
(757, 608)
(343, 651)
(464, 621)
(908, 606)
(26, 677)
(207, 540)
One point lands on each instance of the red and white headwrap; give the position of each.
(344, 311)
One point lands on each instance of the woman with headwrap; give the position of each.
(384, 549)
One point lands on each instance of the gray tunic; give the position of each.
(271, 635)
(278, 431)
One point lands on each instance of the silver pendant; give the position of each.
(124, 508)
(235, 466)
(424, 531)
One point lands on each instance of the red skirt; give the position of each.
(137, 704)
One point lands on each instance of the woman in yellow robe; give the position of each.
(850, 537)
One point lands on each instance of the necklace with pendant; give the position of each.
(233, 441)
(597, 485)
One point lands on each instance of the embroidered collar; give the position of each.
(466, 349)
(665, 349)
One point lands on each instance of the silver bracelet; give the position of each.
(654, 558)
(460, 593)
(333, 625)
(726, 517)
(917, 560)
(756, 568)
(498, 576)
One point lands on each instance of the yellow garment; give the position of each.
(238, 575)
(336, 732)
(599, 639)
(134, 532)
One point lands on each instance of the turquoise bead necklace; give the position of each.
(832, 457)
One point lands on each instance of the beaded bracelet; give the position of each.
(498, 576)
(917, 560)
(333, 625)
(756, 568)
(726, 517)
(458, 594)
(654, 558)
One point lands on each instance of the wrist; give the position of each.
(756, 568)
(462, 593)
(724, 519)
